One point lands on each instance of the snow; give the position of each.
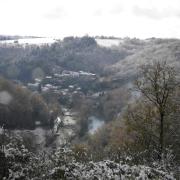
(68, 121)
(48, 86)
(48, 40)
(48, 77)
(33, 84)
(62, 164)
(57, 124)
(31, 41)
(45, 89)
(38, 80)
(108, 42)
(86, 73)
(71, 86)
(110, 170)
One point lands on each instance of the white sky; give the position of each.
(133, 18)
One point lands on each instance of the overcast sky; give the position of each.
(133, 18)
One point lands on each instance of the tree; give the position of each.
(20, 108)
(157, 84)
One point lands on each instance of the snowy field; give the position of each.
(109, 42)
(30, 41)
(43, 41)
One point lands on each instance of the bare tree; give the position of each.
(157, 83)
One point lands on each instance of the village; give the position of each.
(67, 86)
(66, 81)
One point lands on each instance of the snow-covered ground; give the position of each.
(43, 41)
(109, 42)
(30, 41)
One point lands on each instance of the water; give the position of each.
(95, 124)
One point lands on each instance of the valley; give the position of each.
(78, 103)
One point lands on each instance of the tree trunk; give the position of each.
(161, 139)
(4, 172)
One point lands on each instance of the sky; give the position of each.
(120, 18)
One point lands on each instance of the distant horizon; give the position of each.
(94, 36)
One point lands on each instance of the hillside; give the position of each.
(75, 101)
(118, 58)
(70, 54)
(79, 69)
(144, 52)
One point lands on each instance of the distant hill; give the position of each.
(113, 58)
(143, 52)
(9, 37)
(70, 54)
